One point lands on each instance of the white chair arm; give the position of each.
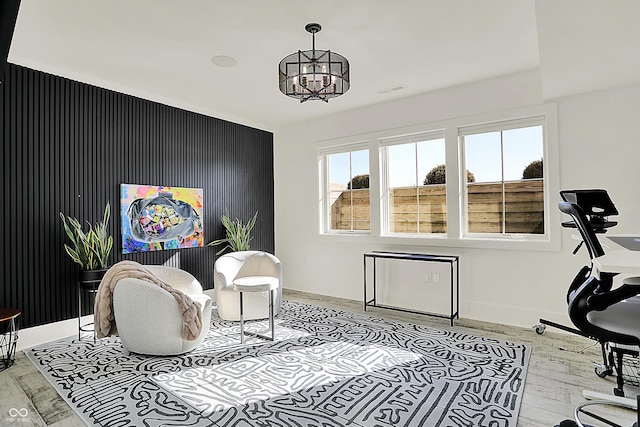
(178, 279)
(203, 300)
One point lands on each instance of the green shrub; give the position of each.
(533, 170)
(358, 182)
(438, 175)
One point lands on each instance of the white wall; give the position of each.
(599, 143)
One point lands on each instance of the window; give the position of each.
(505, 186)
(415, 184)
(483, 181)
(345, 189)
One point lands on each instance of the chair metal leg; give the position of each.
(241, 320)
(595, 398)
(619, 389)
(264, 335)
(273, 334)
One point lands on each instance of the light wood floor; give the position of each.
(559, 370)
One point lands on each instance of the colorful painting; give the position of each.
(156, 218)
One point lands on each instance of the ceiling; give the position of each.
(161, 49)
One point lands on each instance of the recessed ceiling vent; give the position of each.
(392, 89)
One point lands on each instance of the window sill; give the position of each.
(511, 243)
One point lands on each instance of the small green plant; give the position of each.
(90, 249)
(237, 234)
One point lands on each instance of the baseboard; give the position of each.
(37, 335)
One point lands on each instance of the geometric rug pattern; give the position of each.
(326, 367)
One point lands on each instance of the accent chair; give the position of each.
(148, 317)
(235, 265)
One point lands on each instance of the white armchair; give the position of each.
(234, 265)
(148, 317)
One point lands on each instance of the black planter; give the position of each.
(89, 278)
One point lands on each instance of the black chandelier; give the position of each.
(314, 74)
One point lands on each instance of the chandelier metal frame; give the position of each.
(314, 74)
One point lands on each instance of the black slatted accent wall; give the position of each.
(67, 147)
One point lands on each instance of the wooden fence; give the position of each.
(518, 208)
(348, 200)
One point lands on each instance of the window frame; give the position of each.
(499, 126)
(325, 186)
(385, 207)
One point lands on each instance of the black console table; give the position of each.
(452, 260)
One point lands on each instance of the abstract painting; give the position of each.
(156, 218)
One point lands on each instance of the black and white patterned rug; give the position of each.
(327, 367)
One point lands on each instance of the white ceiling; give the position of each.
(161, 49)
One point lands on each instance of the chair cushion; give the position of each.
(622, 318)
(255, 283)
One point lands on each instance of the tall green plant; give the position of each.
(89, 249)
(237, 234)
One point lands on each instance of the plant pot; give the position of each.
(90, 278)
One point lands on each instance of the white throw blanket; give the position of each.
(104, 319)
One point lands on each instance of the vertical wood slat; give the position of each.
(68, 146)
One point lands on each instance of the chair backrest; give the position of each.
(179, 279)
(249, 263)
(586, 231)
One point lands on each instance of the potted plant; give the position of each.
(90, 249)
(237, 234)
